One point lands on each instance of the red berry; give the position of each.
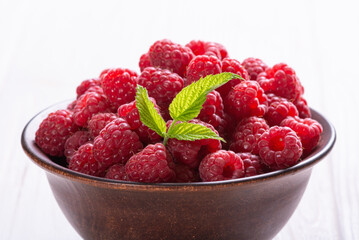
(144, 61)
(76, 140)
(307, 129)
(252, 164)
(254, 66)
(99, 121)
(279, 147)
(131, 114)
(225, 129)
(247, 134)
(88, 105)
(119, 85)
(201, 66)
(161, 84)
(84, 162)
(302, 107)
(186, 174)
(212, 109)
(116, 143)
(117, 172)
(85, 85)
(278, 109)
(53, 132)
(221, 165)
(200, 47)
(152, 165)
(192, 152)
(233, 66)
(172, 56)
(282, 81)
(246, 99)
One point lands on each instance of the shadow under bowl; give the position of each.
(249, 208)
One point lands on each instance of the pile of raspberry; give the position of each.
(263, 117)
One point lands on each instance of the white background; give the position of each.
(48, 47)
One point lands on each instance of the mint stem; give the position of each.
(166, 135)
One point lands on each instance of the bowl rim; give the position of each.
(43, 161)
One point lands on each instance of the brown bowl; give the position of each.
(249, 208)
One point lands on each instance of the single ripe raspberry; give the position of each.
(53, 132)
(279, 148)
(221, 165)
(254, 66)
(84, 162)
(153, 164)
(117, 172)
(233, 66)
(303, 108)
(282, 81)
(99, 121)
(186, 174)
(144, 61)
(85, 85)
(212, 109)
(252, 164)
(278, 109)
(119, 85)
(116, 143)
(200, 47)
(172, 56)
(88, 105)
(222, 50)
(246, 99)
(76, 140)
(192, 152)
(161, 84)
(307, 129)
(201, 66)
(131, 114)
(247, 134)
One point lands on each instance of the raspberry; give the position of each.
(212, 109)
(201, 66)
(71, 106)
(53, 132)
(172, 56)
(192, 152)
(153, 164)
(84, 162)
(282, 81)
(88, 105)
(278, 109)
(200, 47)
(116, 143)
(162, 85)
(221, 165)
(117, 172)
(225, 129)
(131, 114)
(247, 134)
(279, 147)
(308, 130)
(254, 66)
(302, 107)
(246, 99)
(76, 140)
(85, 85)
(233, 66)
(186, 174)
(252, 164)
(99, 121)
(119, 85)
(144, 61)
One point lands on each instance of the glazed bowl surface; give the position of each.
(249, 208)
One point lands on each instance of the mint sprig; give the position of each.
(185, 106)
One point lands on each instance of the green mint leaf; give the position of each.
(191, 131)
(148, 114)
(188, 103)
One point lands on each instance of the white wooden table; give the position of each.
(48, 47)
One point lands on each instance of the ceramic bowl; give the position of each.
(249, 208)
